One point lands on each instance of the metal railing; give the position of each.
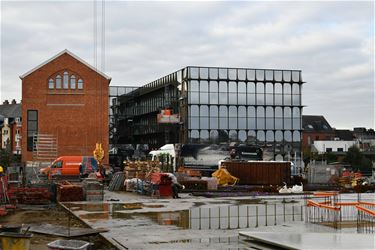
(365, 219)
(244, 216)
(331, 212)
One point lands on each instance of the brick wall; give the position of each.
(78, 118)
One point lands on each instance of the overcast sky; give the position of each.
(331, 42)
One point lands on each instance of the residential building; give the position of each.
(315, 128)
(64, 100)
(334, 146)
(11, 126)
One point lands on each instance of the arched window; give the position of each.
(214, 135)
(269, 136)
(58, 82)
(242, 136)
(80, 84)
(51, 84)
(73, 82)
(279, 136)
(66, 80)
(261, 136)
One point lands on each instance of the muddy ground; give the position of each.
(54, 215)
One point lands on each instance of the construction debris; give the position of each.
(30, 195)
(67, 191)
(140, 169)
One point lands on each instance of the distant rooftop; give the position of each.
(10, 110)
(315, 123)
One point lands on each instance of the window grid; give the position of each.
(269, 91)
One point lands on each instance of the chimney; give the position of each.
(14, 101)
(6, 102)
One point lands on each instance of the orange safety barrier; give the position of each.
(346, 203)
(366, 203)
(354, 203)
(316, 204)
(368, 211)
(325, 194)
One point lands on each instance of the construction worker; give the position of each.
(176, 187)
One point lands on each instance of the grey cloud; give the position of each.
(331, 42)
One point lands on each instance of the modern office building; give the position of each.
(211, 105)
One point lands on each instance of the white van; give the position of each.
(166, 149)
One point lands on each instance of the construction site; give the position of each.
(217, 156)
(78, 203)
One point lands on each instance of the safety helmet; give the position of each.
(1, 169)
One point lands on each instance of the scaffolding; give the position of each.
(44, 147)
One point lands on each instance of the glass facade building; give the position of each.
(218, 106)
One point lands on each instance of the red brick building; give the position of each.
(66, 98)
(315, 128)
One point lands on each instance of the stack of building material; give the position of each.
(117, 182)
(140, 169)
(137, 185)
(67, 191)
(93, 189)
(30, 195)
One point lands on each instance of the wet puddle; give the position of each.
(242, 214)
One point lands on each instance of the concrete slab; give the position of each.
(313, 240)
(140, 222)
(63, 231)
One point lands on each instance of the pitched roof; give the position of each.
(10, 110)
(60, 54)
(315, 123)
